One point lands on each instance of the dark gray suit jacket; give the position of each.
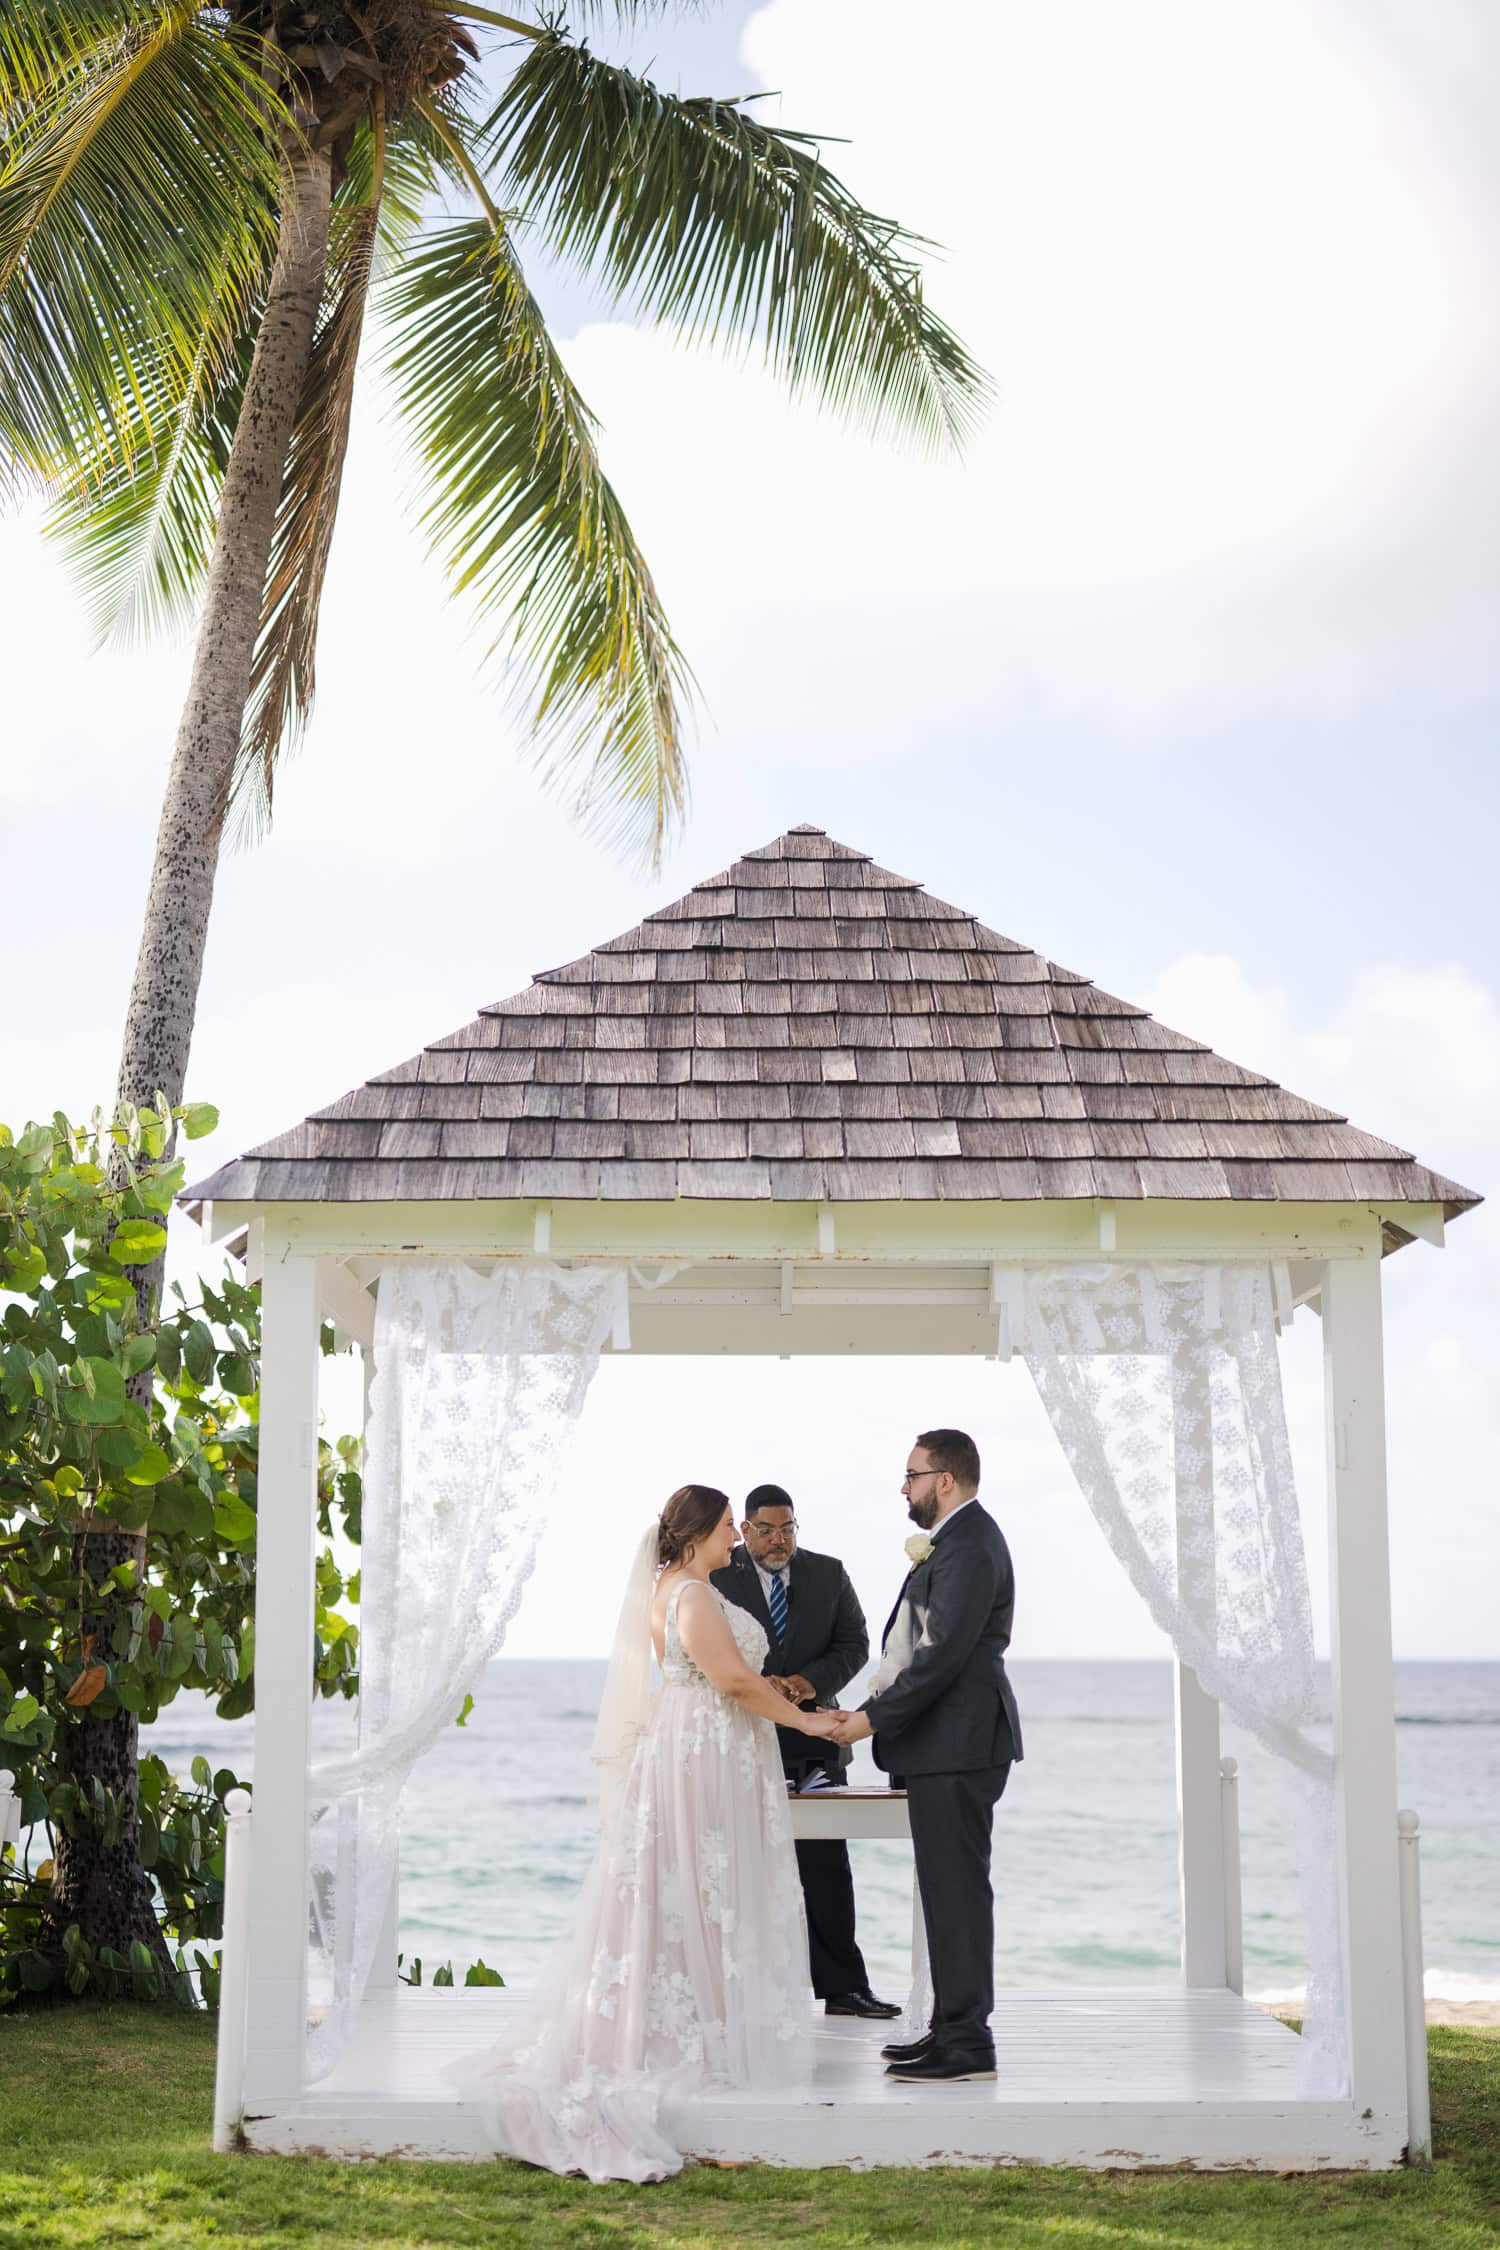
(826, 1640)
(950, 1708)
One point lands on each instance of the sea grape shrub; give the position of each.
(133, 1419)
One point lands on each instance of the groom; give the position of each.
(946, 1730)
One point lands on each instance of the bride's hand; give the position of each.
(823, 1724)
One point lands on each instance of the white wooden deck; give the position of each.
(1097, 2077)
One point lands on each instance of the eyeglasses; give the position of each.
(771, 1530)
(912, 1475)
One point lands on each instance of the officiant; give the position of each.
(818, 1641)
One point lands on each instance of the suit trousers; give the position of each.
(952, 1822)
(834, 1958)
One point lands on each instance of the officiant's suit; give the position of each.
(946, 1730)
(826, 1641)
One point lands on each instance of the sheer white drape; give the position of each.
(1164, 1388)
(479, 1383)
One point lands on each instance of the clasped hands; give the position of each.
(842, 1727)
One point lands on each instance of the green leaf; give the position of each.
(139, 1353)
(180, 1508)
(24, 1268)
(198, 1351)
(119, 1448)
(198, 1118)
(233, 1521)
(480, 1973)
(169, 1353)
(99, 1396)
(444, 1975)
(236, 1701)
(463, 1716)
(202, 1772)
(175, 1657)
(137, 1241)
(36, 1973)
(149, 1467)
(237, 1375)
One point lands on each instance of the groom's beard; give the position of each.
(923, 1513)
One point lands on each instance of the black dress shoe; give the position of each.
(860, 2004)
(904, 2051)
(944, 2067)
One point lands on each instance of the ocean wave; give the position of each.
(1455, 1986)
(1448, 1719)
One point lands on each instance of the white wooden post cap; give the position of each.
(236, 1802)
(1229, 1767)
(1408, 1823)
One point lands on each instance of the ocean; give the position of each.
(498, 1828)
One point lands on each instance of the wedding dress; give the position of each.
(687, 1967)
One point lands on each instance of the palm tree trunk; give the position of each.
(169, 966)
(99, 1885)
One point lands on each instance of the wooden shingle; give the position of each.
(808, 1025)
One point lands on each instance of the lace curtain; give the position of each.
(1164, 1389)
(479, 1383)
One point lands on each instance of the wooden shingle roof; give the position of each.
(809, 1027)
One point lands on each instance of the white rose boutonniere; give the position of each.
(919, 1547)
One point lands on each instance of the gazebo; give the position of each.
(810, 1109)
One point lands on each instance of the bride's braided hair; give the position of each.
(693, 1511)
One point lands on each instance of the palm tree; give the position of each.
(199, 205)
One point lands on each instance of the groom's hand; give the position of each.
(851, 1726)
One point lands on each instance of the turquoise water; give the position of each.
(498, 1828)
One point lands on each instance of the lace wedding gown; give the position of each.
(687, 1967)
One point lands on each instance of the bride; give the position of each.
(687, 1966)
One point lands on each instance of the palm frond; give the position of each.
(139, 537)
(700, 215)
(283, 680)
(533, 533)
(138, 168)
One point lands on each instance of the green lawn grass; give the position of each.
(104, 2142)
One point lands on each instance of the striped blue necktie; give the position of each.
(778, 1605)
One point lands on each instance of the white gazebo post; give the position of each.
(287, 1511)
(387, 1945)
(1364, 1722)
(1200, 1822)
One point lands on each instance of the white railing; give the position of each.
(1234, 1917)
(1418, 2092)
(234, 1970)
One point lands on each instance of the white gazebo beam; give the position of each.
(286, 1509)
(884, 1232)
(1363, 1691)
(347, 1303)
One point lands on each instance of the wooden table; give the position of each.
(854, 1813)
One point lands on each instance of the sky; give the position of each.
(1184, 674)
